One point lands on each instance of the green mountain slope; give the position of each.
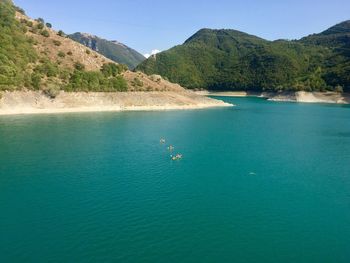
(233, 60)
(113, 50)
(16, 50)
(337, 66)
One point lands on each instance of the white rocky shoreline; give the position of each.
(36, 102)
(299, 96)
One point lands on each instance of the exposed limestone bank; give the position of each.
(310, 97)
(32, 102)
(300, 96)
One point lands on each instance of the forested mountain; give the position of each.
(337, 64)
(113, 50)
(232, 60)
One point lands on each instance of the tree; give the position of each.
(112, 69)
(40, 26)
(61, 33)
(36, 81)
(338, 89)
(45, 33)
(61, 54)
(40, 20)
(20, 10)
(79, 66)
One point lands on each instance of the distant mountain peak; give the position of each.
(207, 35)
(113, 50)
(341, 28)
(88, 35)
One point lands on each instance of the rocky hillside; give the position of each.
(34, 56)
(113, 50)
(233, 60)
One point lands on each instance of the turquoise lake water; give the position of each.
(261, 182)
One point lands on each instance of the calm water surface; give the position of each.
(261, 182)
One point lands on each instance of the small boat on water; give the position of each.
(176, 157)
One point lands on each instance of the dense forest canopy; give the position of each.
(233, 60)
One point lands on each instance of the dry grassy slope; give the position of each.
(46, 47)
(76, 52)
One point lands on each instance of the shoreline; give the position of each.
(288, 96)
(36, 102)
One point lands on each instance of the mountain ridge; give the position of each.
(111, 49)
(227, 59)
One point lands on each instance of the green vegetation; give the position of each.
(233, 60)
(45, 33)
(137, 83)
(20, 10)
(108, 79)
(16, 50)
(52, 91)
(79, 66)
(40, 26)
(112, 50)
(61, 33)
(40, 20)
(61, 54)
(113, 70)
(57, 43)
(95, 81)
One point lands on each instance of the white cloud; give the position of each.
(153, 52)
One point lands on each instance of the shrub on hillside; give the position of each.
(52, 91)
(40, 20)
(40, 26)
(47, 68)
(95, 81)
(61, 54)
(61, 33)
(20, 10)
(45, 33)
(79, 66)
(36, 80)
(136, 82)
(339, 89)
(112, 69)
(57, 43)
(29, 23)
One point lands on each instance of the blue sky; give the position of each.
(154, 24)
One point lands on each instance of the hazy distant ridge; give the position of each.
(113, 50)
